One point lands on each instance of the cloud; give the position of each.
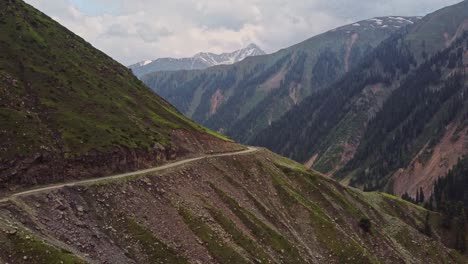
(152, 32)
(135, 30)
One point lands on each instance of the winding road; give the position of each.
(124, 175)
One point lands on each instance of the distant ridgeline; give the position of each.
(200, 61)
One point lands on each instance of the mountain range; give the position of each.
(242, 99)
(313, 102)
(201, 60)
(332, 129)
(97, 168)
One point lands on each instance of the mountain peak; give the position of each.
(200, 60)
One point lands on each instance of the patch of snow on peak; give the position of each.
(402, 19)
(356, 24)
(377, 21)
(146, 62)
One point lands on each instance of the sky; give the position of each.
(135, 30)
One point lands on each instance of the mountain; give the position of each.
(67, 110)
(369, 126)
(242, 99)
(201, 60)
(70, 111)
(421, 130)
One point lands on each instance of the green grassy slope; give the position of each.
(61, 96)
(438, 30)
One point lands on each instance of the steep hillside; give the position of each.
(421, 130)
(201, 60)
(326, 130)
(69, 111)
(241, 99)
(252, 208)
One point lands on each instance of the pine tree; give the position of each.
(421, 196)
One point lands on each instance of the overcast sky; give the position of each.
(136, 30)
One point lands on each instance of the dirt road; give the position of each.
(124, 175)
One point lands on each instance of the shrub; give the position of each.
(365, 224)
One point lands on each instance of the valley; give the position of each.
(349, 147)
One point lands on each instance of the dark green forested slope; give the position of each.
(244, 98)
(61, 101)
(326, 128)
(307, 129)
(450, 197)
(416, 115)
(451, 191)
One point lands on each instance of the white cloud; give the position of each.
(135, 30)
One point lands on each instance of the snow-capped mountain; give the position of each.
(380, 23)
(201, 60)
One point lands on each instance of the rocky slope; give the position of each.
(242, 99)
(330, 127)
(201, 60)
(70, 111)
(253, 208)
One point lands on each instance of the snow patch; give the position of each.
(402, 19)
(146, 62)
(376, 21)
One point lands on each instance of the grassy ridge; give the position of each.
(61, 94)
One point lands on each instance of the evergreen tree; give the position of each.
(421, 196)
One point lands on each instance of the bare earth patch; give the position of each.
(423, 174)
(311, 161)
(294, 91)
(462, 28)
(216, 100)
(274, 81)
